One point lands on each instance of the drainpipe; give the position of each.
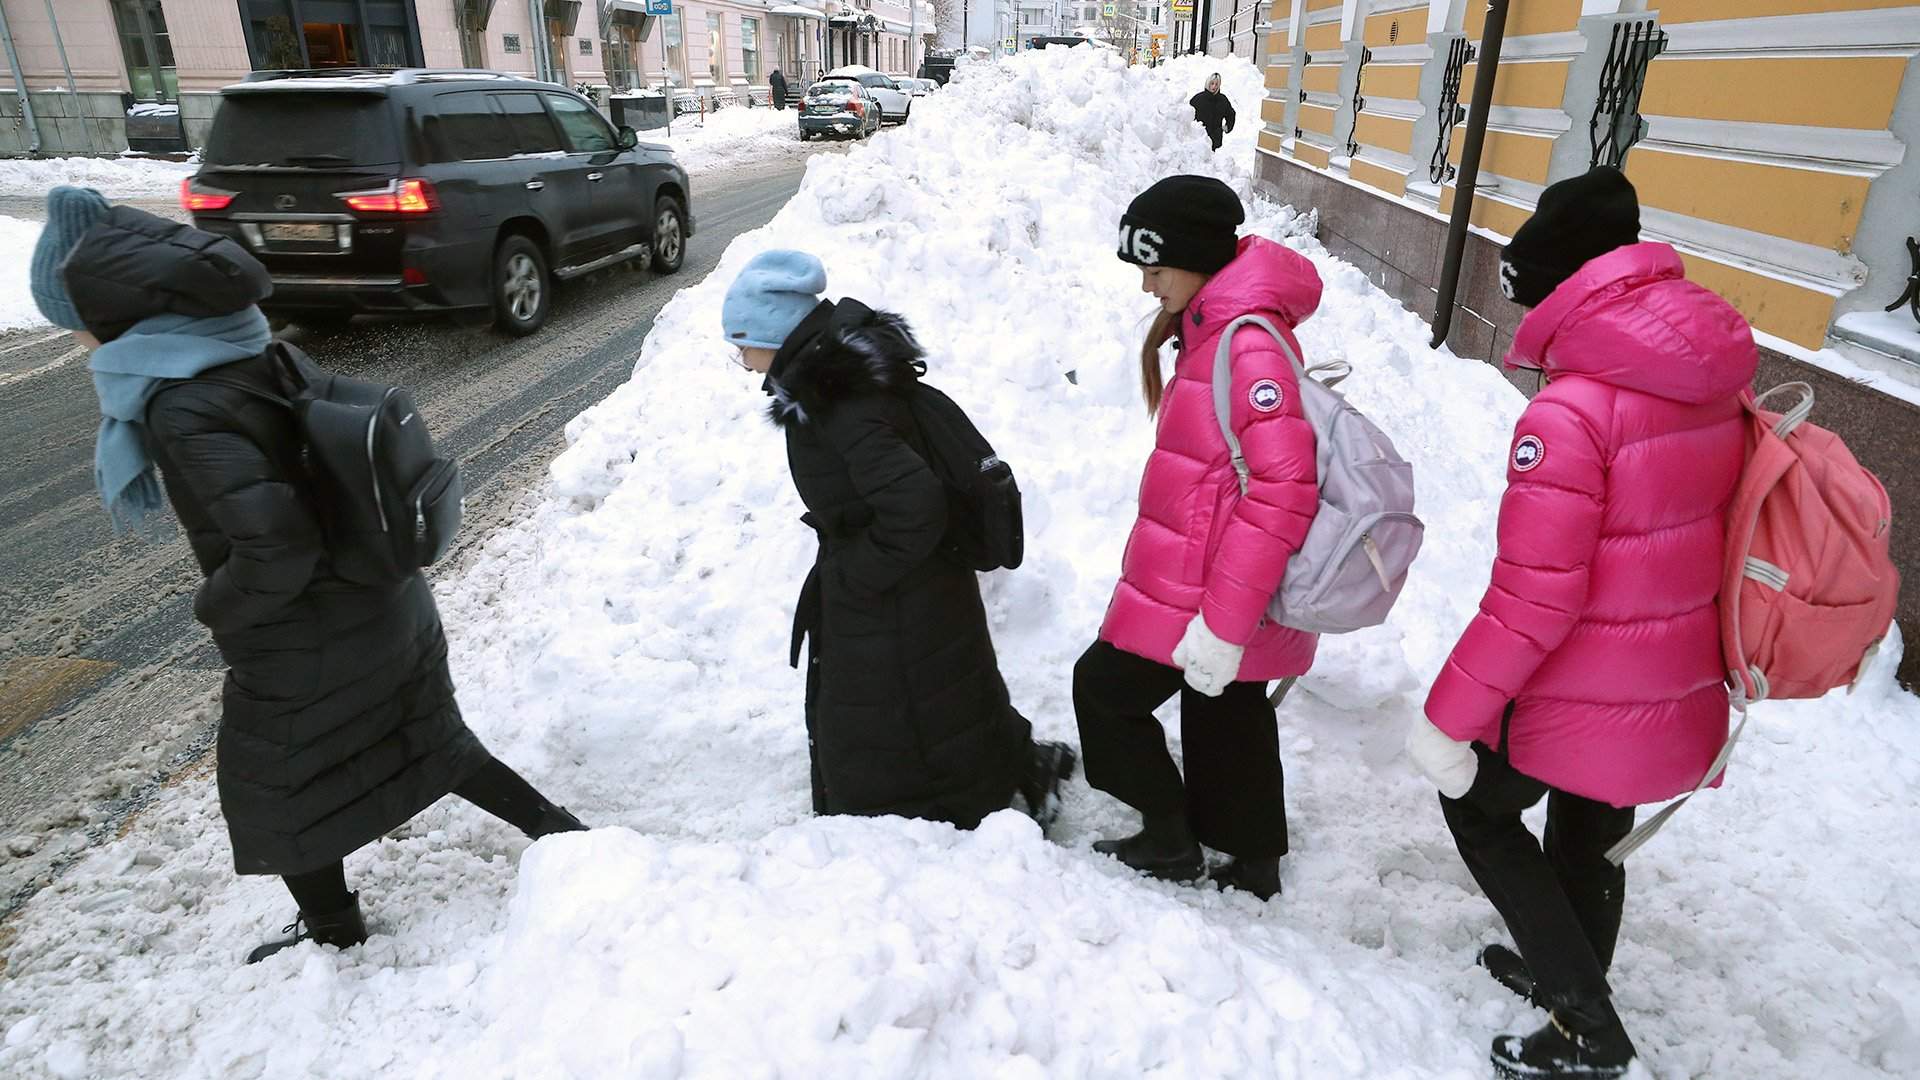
(54, 21)
(19, 82)
(537, 30)
(1483, 76)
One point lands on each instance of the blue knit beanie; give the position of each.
(771, 296)
(71, 211)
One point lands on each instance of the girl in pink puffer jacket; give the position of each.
(1203, 560)
(1592, 674)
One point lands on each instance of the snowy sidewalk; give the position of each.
(625, 646)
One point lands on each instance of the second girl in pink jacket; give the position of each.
(1203, 560)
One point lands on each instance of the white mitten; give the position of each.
(1447, 761)
(1210, 663)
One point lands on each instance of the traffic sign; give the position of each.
(659, 7)
(1109, 11)
(1183, 7)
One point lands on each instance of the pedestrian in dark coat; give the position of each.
(1212, 109)
(905, 707)
(779, 84)
(338, 720)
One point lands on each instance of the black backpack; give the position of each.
(387, 504)
(984, 527)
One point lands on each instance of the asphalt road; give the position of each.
(107, 685)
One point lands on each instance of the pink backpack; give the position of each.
(1809, 586)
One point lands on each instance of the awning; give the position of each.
(479, 11)
(631, 13)
(798, 12)
(564, 12)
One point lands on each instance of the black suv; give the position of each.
(413, 190)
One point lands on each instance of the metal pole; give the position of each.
(19, 82)
(1483, 76)
(54, 21)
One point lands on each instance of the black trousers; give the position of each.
(1234, 791)
(495, 788)
(1561, 901)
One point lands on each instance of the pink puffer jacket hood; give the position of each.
(1601, 625)
(1198, 544)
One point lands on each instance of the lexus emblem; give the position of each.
(284, 202)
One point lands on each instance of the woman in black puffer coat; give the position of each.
(905, 707)
(338, 719)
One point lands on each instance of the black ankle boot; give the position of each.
(1583, 1040)
(340, 929)
(1509, 970)
(555, 819)
(1164, 848)
(1049, 765)
(1258, 877)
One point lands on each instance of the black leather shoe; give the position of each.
(1259, 877)
(1049, 766)
(1164, 848)
(340, 929)
(1581, 1041)
(1509, 970)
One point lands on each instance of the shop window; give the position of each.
(337, 33)
(676, 46)
(716, 66)
(750, 48)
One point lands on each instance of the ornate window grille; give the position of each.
(1910, 296)
(1359, 103)
(1616, 123)
(1450, 112)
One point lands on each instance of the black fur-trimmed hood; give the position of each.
(839, 351)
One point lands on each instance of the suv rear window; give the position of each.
(318, 130)
(533, 130)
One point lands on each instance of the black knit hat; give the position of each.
(1578, 220)
(1186, 222)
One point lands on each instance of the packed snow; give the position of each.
(732, 137)
(16, 294)
(626, 647)
(115, 177)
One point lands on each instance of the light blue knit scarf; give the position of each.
(126, 373)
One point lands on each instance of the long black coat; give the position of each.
(338, 720)
(906, 710)
(779, 84)
(1212, 109)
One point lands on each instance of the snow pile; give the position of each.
(116, 178)
(626, 647)
(16, 294)
(731, 137)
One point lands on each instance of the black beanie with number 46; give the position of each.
(1578, 220)
(1185, 222)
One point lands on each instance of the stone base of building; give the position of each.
(1401, 248)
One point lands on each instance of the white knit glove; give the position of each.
(1447, 761)
(1210, 663)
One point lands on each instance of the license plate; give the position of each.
(304, 234)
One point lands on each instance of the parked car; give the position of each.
(895, 104)
(420, 190)
(839, 107)
(918, 87)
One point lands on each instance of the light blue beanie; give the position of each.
(771, 296)
(71, 211)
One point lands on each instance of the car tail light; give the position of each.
(413, 275)
(398, 197)
(856, 108)
(194, 198)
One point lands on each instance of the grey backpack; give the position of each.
(1353, 563)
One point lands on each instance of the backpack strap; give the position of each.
(1223, 384)
(1643, 832)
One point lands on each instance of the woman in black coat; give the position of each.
(779, 84)
(1214, 112)
(905, 707)
(338, 719)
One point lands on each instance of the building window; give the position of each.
(716, 59)
(330, 33)
(674, 41)
(148, 51)
(750, 48)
